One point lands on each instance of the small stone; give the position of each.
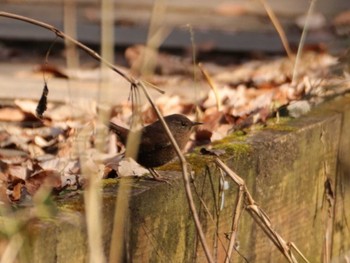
(298, 108)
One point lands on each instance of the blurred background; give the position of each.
(236, 25)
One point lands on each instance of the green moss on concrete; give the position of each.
(237, 136)
(195, 160)
(158, 221)
(109, 182)
(280, 124)
(280, 120)
(198, 162)
(75, 203)
(277, 124)
(234, 144)
(233, 148)
(172, 166)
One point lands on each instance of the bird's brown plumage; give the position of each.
(155, 147)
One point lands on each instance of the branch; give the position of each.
(235, 222)
(62, 35)
(134, 83)
(184, 173)
(258, 215)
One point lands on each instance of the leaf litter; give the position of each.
(43, 152)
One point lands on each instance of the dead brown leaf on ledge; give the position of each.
(36, 153)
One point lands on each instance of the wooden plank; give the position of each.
(19, 82)
(209, 24)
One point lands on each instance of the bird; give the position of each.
(155, 147)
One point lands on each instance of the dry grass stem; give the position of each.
(157, 32)
(184, 173)
(302, 42)
(93, 196)
(206, 208)
(156, 35)
(71, 50)
(259, 216)
(238, 180)
(92, 199)
(119, 222)
(154, 87)
(194, 62)
(292, 245)
(62, 35)
(212, 86)
(12, 249)
(235, 223)
(70, 27)
(134, 83)
(123, 196)
(278, 28)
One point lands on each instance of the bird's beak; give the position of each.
(196, 123)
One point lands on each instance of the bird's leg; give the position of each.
(156, 176)
(154, 173)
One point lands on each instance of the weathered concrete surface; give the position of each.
(341, 223)
(286, 168)
(292, 168)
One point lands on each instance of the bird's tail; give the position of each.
(121, 132)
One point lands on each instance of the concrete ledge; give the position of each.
(298, 172)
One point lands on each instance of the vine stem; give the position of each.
(62, 35)
(135, 83)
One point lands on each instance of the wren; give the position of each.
(155, 147)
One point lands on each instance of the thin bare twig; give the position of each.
(134, 83)
(184, 173)
(92, 200)
(278, 28)
(259, 216)
(206, 208)
(154, 87)
(292, 245)
(212, 86)
(235, 221)
(9, 255)
(62, 35)
(238, 180)
(302, 41)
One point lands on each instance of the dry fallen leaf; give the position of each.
(12, 114)
(17, 192)
(248, 92)
(51, 71)
(50, 179)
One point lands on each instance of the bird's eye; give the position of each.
(183, 124)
